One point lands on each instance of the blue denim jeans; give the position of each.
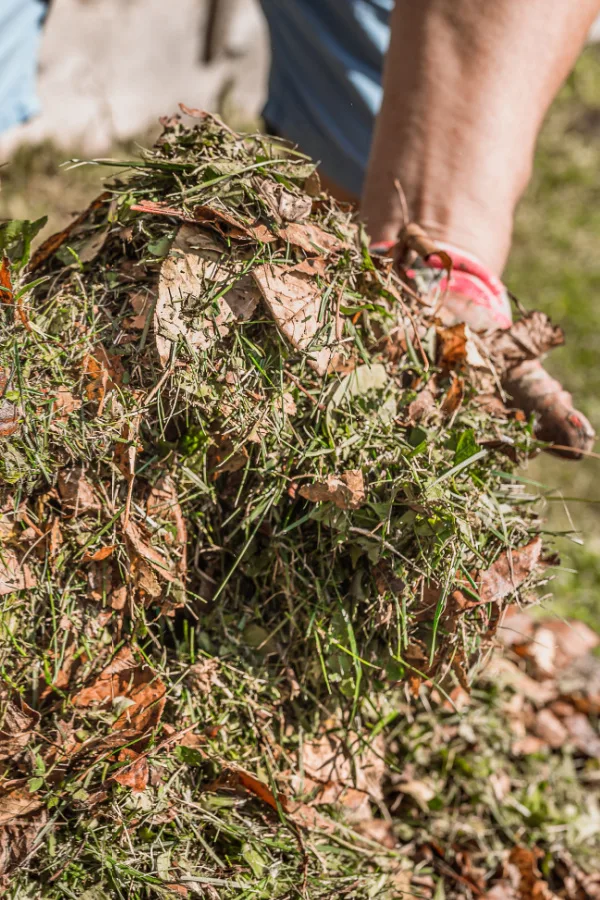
(20, 33)
(325, 81)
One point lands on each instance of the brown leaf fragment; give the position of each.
(163, 504)
(229, 227)
(141, 302)
(106, 686)
(99, 555)
(528, 338)
(9, 413)
(6, 290)
(284, 205)
(17, 721)
(17, 841)
(531, 886)
(349, 773)
(454, 396)
(550, 729)
(346, 491)
(135, 775)
(202, 675)
(312, 239)
(124, 677)
(452, 345)
(14, 575)
(583, 734)
(293, 298)
(55, 241)
(184, 310)
(422, 406)
(76, 492)
(16, 803)
(105, 373)
(65, 403)
(138, 545)
(509, 571)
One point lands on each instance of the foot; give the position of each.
(472, 294)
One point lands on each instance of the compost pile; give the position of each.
(254, 495)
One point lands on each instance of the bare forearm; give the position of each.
(466, 86)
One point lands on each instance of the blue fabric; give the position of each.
(20, 32)
(325, 81)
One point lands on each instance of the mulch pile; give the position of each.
(258, 504)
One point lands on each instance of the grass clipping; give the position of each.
(252, 491)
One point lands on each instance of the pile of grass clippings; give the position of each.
(257, 504)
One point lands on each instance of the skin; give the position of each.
(467, 84)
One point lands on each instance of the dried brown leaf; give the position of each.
(105, 373)
(76, 492)
(182, 312)
(346, 491)
(454, 396)
(9, 413)
(529, 338)
(17, 722)
(65, 403)
(14, 575)
(55, 241)
(16, 803)
(509, 571)
(138, 545)
(17, 840)
(285, 206)
(293, 298)
(312, 239)
(124, 677)
(136, 774)
(99, 555)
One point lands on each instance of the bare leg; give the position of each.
(466, 86)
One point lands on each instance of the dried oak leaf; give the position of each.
(17, 721)
(17, 840)
(293, 297)
(55, 241)
(139, 547)
(65, 403)
(16, 803)
(346, 491)
(312, 239)
(105, 372)
(76, 493)
(529, 338)
(9, 413)
(14, 575)
(453, 397)
(163, 505)
(136, 774)
(346, 772)
(284, 205)
(509, 571)
(124, 677)
(194, 264)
